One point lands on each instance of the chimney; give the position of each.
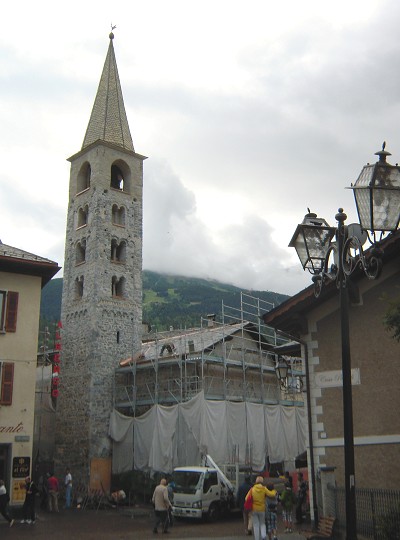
(211, 320)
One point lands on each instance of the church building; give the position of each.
(102, 289)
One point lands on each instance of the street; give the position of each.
(121, 524)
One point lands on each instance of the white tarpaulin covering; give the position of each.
(167, 437)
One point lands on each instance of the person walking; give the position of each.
(301, 497)
(243, 490)
(28, 508)
(258, 494)
(161, 506)
(53, 489)
(271, 512)
(4, 500)
(288, 500)
(68, 488)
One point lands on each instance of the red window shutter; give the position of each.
(11, 313)
(7, 381)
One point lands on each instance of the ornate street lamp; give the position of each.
(290, 380)
(377, 195)
(282, 370)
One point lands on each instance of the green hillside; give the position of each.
(169, 300)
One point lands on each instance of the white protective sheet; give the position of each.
(167, 437)
(121, 432)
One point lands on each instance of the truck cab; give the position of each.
(200, 492)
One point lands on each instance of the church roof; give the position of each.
(108, 121)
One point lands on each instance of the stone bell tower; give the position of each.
(102, 291)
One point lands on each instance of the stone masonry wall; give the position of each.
(98, 329)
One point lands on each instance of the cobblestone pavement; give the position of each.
(124, 524)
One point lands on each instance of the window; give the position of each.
(118, 251)
(120, 176)
(80, 252)
(83, 180)
(117, 178)
(117, 287)
(210, 480)
(78, 287)
(118, 215)
(8, 313)
(7, 379)
(83, 216)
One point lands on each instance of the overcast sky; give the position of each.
(249, 112)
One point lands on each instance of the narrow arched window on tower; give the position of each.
(80, 252)
(118, 251)
(83, 180)
(118, 336)
(83, 216)
(118, 215)
(117, 178)
(117, 287)
(79, 287)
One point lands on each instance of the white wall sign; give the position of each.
(333, 379)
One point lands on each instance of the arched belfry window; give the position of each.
(118, 287)
(83, 180)
(79, 287)
(80, 251)
(120, 176)
(83, 214)
(118, 251)
(118, 215)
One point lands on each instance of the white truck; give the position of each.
(202, 492)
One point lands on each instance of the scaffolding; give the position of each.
(231, 359)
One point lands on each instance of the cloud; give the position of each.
(248, 117)
(176, 241)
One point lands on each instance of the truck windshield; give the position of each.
(186, 481)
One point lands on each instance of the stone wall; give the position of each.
(99, 328)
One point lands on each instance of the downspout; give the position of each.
(310, 437)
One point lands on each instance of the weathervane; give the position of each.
(111, 35)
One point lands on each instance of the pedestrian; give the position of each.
(271, 511)
(68, 488)
(43, 491)
(161, 506)
(4, 500)
(54, 488)
(301, 497)
(258, 494)
(243, 490)
(288, 500)
(289, 479)
(28, 508)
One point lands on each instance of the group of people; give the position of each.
(49, 488)
(49, 491)
(259, 504)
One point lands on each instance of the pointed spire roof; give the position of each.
(108, 121)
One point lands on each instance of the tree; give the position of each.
(391, 319)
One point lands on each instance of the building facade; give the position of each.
(102, 289)
(22, 276)
(375, 372)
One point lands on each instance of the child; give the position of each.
(271, 508)
(288, 499)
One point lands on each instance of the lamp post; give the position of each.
(282, 369)
(377, 195)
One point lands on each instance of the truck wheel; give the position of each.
(213, 512)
